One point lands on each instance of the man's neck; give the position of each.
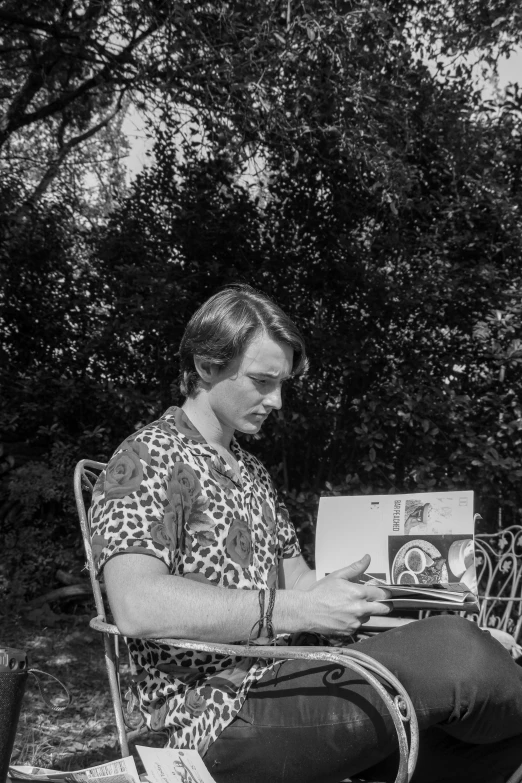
(204, 419)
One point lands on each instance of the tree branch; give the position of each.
(32, 24)
(16, 116)
(32, 85)
(55, 165)
(65, 100)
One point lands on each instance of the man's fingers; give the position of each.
(353, 570)
(377, 608)
(377, 593)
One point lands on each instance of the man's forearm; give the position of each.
(191, 610)
(149, 602)
(166, 606)
(305, 581)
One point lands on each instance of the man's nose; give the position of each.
(274, 399)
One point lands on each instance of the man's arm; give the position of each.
(295, 574)
(147, 601)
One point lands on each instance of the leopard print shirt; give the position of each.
(166, 493)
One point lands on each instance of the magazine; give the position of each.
(120, 771)
(421, 545)
(163, 765)
(168, 765)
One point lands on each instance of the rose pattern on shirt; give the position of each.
(159, 711)
(168, 531)
(272, 580)
(98, 544)
(167, 493)
(124, 473)
(230, 679)
(195, 703)
(239, 543)
(185, 512)
(268, 516)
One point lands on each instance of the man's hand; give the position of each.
(338, 606)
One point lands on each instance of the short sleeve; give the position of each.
(130, 511)
(288, 542)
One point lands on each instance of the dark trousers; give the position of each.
(310, 722)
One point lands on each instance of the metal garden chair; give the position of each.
(498, 558)
(499, 572)
(393, 695)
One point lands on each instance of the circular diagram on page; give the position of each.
(435, 569)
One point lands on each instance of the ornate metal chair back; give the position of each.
(498, 558)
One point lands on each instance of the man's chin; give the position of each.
(250, 427)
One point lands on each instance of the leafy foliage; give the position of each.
(67, 72)
(314, 151)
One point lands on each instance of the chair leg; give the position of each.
(115, 694)
(516, 777)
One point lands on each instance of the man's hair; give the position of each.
(225, 325)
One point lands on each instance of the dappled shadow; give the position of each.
(83, 734)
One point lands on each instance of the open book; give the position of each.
(421, 545)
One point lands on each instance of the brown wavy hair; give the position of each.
(226, 324)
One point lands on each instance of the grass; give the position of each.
(84, 734)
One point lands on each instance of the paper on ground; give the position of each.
(168, 765)
(120, 771)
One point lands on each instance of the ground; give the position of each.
(84, 734)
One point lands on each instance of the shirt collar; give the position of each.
(178, 420)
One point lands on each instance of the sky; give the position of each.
(134, 128)
(511, 70)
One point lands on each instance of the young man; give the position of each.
(193, 543)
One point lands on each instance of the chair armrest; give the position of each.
(399, 705)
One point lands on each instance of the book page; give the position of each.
(413, 539)
(168, 765)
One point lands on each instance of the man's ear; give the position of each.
(204, 368)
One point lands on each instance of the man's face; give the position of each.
(245, 393)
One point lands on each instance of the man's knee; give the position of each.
(465, 642)
(454, 627)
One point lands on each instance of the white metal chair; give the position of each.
(394, 695)
(499, 571)
(498, 558)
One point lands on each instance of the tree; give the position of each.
(308, 149)
(388, 225)
(67, 70)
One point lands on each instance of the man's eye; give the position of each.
(261, 381)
